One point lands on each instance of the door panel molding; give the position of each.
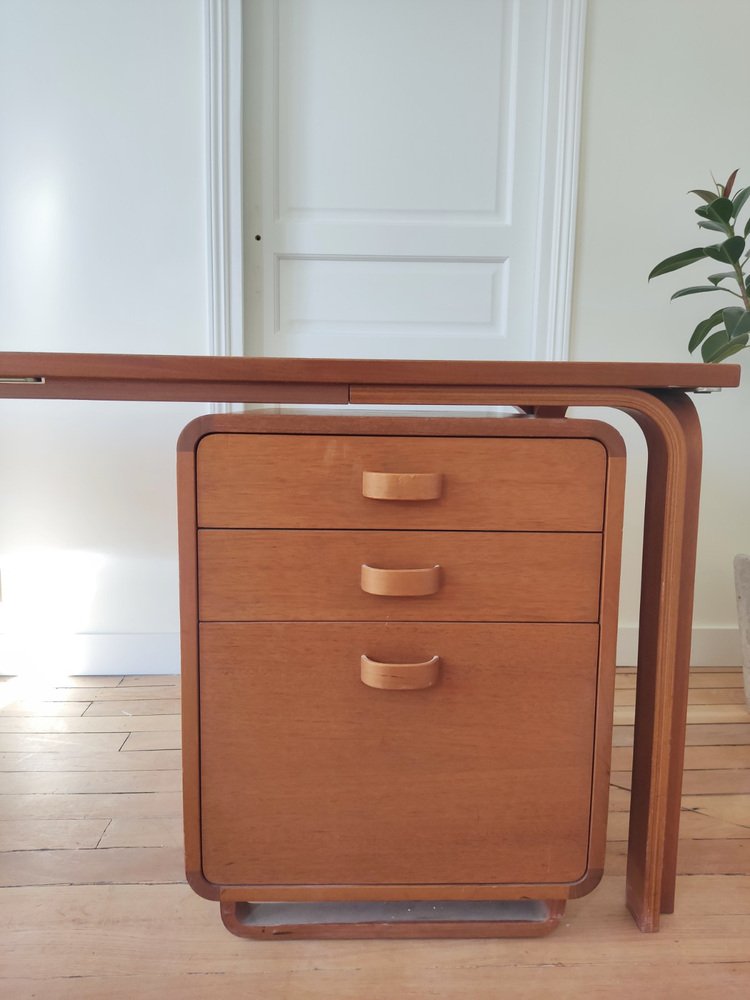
(550, 312)
(223, 89)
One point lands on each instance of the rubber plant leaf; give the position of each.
(719, 347)
(714, 346)
(739, 200)
(696, 290)
(708, 196)
(729, 251)
(677, 261)
(720, 211)
(730, 183)
(736, 321)
(703, 329)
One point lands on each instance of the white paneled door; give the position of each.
(399, 177)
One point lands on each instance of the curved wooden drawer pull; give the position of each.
(402, 485)
(400, 582)
(399, 676)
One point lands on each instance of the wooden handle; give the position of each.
(399, 676)
(400, 582)
(402, 485)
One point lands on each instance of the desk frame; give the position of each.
(654, 395)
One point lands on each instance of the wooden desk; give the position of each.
(655, 395)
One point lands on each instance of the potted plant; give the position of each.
(727, 330)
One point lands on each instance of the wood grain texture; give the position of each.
(79, 743)
(247, 575)
(84, 782)
(382, 763)
(700, 677)
(90, 371)
(696, 714)
(137, 706)
(111, 866)
(109, 941)
(142, 831)
(88, 724)
(736, 734)
(703, 697)
(150, 680)
(48, 834)
(399, 676)
(252, 480)
(395, 486)
(400, 582)
(608, 612)
(708, 781)
(152, 741)
(92, 805)
(159, 760)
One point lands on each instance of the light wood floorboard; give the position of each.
(95, 905)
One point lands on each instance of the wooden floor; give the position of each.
(95, 904)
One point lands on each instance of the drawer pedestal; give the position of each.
(463, 792)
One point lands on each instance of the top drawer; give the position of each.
(482, 484)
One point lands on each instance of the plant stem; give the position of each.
(741, 282)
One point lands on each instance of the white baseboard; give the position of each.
(91, 653)
(712, 646)
(159, 653)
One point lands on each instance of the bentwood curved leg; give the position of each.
(669, 549)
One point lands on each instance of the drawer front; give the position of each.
(308, 775)
(316, 481)
(271, 575)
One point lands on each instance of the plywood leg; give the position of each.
(672, 490)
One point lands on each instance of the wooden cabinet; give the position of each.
(398, 644)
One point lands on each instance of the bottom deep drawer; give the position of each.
(310, 776)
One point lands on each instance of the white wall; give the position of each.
(665, 103)
(102, 248)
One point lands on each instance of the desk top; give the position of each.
(241, 379)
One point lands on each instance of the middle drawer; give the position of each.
(285, 575)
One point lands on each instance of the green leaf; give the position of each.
(729, 251)
(730, 317)
(719, 347)
(695, 290)
(739, 200)
(736, 321)
(708, 196)
(719, 211)
(734, 348)
(703, 329)
(716, 278)
(715, 345)
(677, 261)
(713, 226)
(747, 228)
